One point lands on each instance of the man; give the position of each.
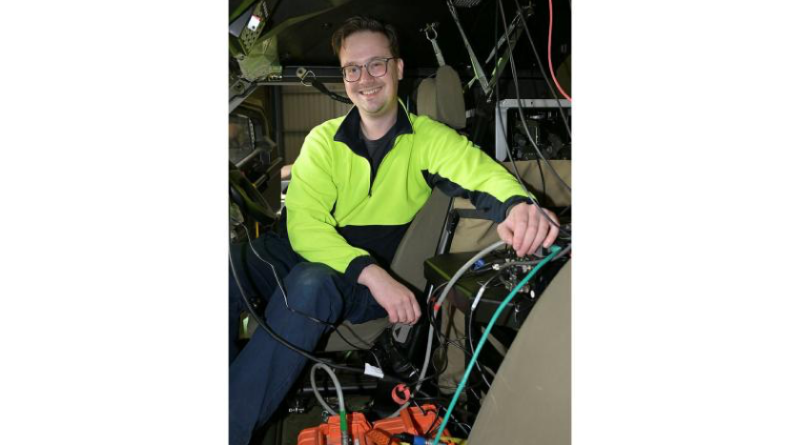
(356, 186)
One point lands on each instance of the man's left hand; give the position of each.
(526, 228)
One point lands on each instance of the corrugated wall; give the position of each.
(303, 109)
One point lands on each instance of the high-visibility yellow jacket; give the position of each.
(340, 215)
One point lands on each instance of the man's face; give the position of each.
(374, 96)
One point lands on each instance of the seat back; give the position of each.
(418, 244)
(421, 241)
(533, 385)
(441, 98)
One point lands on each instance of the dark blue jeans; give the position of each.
(261, 373)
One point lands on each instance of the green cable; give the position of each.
(553, 251)
(343, 421)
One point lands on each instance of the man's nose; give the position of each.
(365, 74)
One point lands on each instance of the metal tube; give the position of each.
(247, 158)
(476, 65)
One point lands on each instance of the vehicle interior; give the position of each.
(489, 361)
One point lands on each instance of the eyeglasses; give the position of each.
(375, 67)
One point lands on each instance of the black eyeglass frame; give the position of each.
(366, 67)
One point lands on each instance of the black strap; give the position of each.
(321, 87)
(471, 214)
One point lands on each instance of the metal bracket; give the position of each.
(400, 332)
(302, 73)
(254, 27)
(514, 32)
(431, 35)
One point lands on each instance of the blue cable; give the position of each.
(553, 251)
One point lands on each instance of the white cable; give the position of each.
(478, 296)
(463, 270)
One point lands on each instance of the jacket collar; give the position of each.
(350, 129)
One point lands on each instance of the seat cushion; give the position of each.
(369, 332)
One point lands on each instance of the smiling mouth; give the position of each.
(370, 92)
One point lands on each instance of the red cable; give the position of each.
(549, 45)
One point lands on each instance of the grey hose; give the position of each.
(442, 296)
(336, 383)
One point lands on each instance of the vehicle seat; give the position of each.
(441, 98)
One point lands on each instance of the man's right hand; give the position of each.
(399, 302)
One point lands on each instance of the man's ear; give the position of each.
(399, 68)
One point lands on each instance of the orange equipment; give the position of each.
(410, 420)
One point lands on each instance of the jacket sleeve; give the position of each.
(459, 168)
(310, 200)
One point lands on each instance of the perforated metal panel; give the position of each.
(249, 34)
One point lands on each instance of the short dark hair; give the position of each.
(363, 23)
